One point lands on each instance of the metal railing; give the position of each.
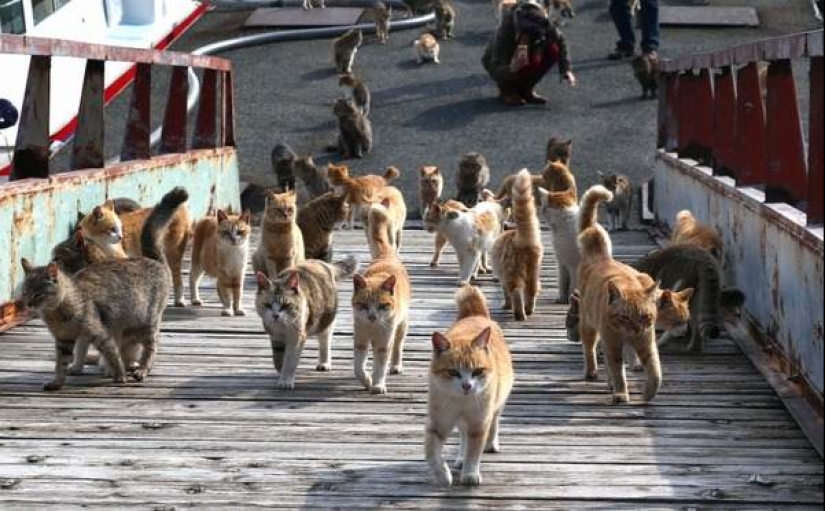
(737, 111)
(213, 127)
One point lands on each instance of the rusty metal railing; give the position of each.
(213, 127)
(737, 111)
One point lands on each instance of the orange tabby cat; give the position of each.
(119, 237)
(430, 186)
(359, 190)
(618, 307)
(393, 205)
(282, 244)
(690, 231)
(517, 254)
(380, 304)
(220, 249)
(471, 376)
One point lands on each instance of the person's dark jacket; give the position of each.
(500, 51)
(8, 114)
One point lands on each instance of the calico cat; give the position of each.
(394, 214)
(282, 244)
(345, 48)
(691, 231)
(356, 90)
(380, 304)
(517, 254)
(382, 15)
(426, 49)
(620, 208)
(471, 233)
(440, 239)
(471, 376)
(618, 307)
(115, 305)
(688, 266)
(300, 302)
(220, 249)
(473, 176)
(430, 186)
(360, 191)
(317, 220)
(559, 151)
(354, 129)
(312, 179)
(119, 237)
(646, 70)
(444, 19)
(283, 165)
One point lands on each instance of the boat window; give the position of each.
(11, 17)
(42, 9)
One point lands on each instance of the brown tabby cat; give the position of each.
(430, 186)
(380, 304)
(119, 236)
(345, 48)
(220, 249)
(282, 244)
(392, 203)
(559, 150)
(618, 306)
(444, 19)
(646, 70)
(691, 231)
(471, 376)
(318, 219)
(621, 207)
(382, 15)
(517, 254)
(354, 129)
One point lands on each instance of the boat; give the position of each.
(146, 24)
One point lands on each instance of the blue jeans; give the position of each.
(623, 19)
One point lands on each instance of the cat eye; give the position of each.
(478, 372)
(453, 373)
(383, 307)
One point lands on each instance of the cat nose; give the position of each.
(466, 386)
(372, 317)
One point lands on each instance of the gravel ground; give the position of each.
(434, 114)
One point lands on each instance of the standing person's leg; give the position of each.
(650, 25)
(623, 19)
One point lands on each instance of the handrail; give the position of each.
(736, 110)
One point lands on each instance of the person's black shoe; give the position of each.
(621, 53)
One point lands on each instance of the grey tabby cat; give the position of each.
(345, 48)
(473, 176)
(318, 219)
(301, 301)
(356, 90)
(355, 130)
(313, 179)
(687, 266)
(444, 19)
(116, 305)
(283, 165)
(620, 208)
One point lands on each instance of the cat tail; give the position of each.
(471, 302)
(391, 173)
(528, 231)
(158, 220)
(344, 268)
(732, 298)
(590, 206)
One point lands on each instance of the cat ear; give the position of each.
(263, 282)
(386, 203)
(51, 271)
(452, 215)
(221, 216)
(246, 216)
(359, 282)
(97, 213)
(27, 265)
(389, 284)
(569, 143)
(292, 281)
(613, 292)
(687, 294)
(667, 296)
(109, 205)
(79, 240)
(482, 342)
(653, 289)
(422, 171)
(440, 343)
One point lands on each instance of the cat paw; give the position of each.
(620, 399)
(637, 368)
(240, 312)
(591, 376)
(122, 379)
(180, 302)
(366, 381)
(442, 476)
(52, 386)
(458, 464)
(492, 447)
(471, 479)
(197, 302)
(434, 264)
(378, 390)
(75, 369)
(139, 374)
(226, 313)
(520, 316)
(324, 368)
(285, 385)
(399, 369)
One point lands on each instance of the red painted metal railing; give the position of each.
(737, 111)
(214, 128)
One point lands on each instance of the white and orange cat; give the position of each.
(394, 208)
(360, 191)
(282, 244)
(380, 306)
(471, 233)
(517, 254)
(471, 376)
(440, 239)
(618, 308)
(220, 249)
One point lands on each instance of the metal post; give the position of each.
(31, 150)
(205, 136)
(724, 126)
(136, 142)
(173, 137)
(816, 160)
(87, 150)
(751, 132)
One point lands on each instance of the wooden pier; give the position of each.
(208, 428)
